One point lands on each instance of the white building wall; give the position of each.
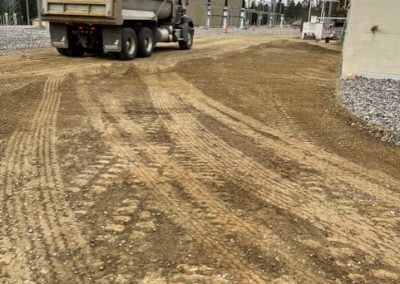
(368, 54)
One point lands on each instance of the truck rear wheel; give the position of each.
(187, 44)
(145, 42)
(63, 51)
(129, 46)
(75, 49)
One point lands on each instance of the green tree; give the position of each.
(2, 7)
(299, 11)
(290, 13)
(280, 7)
(21, 8)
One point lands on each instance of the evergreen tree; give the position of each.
(280, 7)
(290, 13)
(2, 4)
(299, 11)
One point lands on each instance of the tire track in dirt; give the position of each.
(12, 256)
(210, 210)
(209, 157)
(188, 123)
(54, 245)
(289, 148)
(286, 147)
(167, 194)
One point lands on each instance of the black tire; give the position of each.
(187, 44)
(145, 42)
(114, 55)
(63, 51)
(75, 49)
(129, 44)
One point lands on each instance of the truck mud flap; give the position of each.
(112, 39)
(59, 35)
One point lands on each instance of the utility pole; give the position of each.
(27, 12)
(323, 9)
(243, 14)
(39, 12)
(208, 20)
(330, 9)
(225, 17)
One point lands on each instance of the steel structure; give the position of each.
(13, 11)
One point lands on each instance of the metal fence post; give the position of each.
(208, 20)
(225, 16)
(27, 13)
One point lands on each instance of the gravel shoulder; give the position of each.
(16, 39)
(22, 39)
(377, 103)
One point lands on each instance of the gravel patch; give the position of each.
(376, 101)
(263, 30)
(17, 38)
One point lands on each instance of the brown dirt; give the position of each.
(224, 164)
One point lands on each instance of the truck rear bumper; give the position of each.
(81, 20)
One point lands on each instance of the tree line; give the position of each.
(7, 6)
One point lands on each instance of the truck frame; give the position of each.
(122, 28)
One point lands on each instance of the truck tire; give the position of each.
(113, 55)
(129, 44)
(145, 42)
(63, 51)
(187, 44)
(75, 49)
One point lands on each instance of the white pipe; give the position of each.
(208, 24)
(242, 17)
(225, 23)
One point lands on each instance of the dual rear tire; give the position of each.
(140, 44)
(75, 49)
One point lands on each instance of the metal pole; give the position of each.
(225, 22)
(27, 12)
(39, 11)
(208, 14)
(309, 12)
(330, 9)
(242, 14)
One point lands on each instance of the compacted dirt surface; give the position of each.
(223, 164)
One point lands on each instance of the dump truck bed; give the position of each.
(82, 11)
(111, 12)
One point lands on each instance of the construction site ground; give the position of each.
(222, 164)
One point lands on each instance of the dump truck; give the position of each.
(123, 29)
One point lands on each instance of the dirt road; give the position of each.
(224, 164)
